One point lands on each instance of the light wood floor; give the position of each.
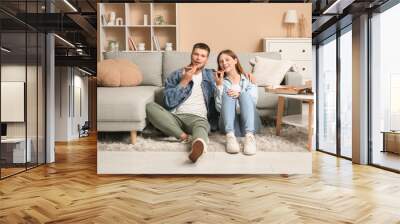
(10, 171)
(387, 159)
(70, 191)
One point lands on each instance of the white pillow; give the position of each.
(269, 71)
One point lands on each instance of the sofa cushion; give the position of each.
(266, 100)
(245, 58)
(107, 75)
(150, 63)
(172, 61)
(270, 71)
(123, 103)
(118, 72)
(130, 73)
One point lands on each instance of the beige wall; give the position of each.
(239, 26)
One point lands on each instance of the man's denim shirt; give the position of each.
(175, 94)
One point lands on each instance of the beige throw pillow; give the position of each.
(270, 71)
(118, 72)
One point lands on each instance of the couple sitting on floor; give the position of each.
(194, 97)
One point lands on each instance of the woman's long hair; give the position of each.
(231, 54)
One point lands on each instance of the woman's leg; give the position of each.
(247, 115)
(247, 112)
(228, 112)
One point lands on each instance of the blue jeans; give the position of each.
(247, 112)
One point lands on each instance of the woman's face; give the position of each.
(227, 63)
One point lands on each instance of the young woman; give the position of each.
(236, 99)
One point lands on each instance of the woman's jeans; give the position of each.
(247, 112)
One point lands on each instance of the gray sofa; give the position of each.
(123, 108)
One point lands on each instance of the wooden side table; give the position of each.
(391, 141)
(298, 120)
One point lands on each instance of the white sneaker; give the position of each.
(199, 147)
(250, 147)
(232, 145)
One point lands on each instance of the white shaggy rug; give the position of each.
(292, 139)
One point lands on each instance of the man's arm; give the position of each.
(174, 91)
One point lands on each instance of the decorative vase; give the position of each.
(119, 21)
(168, 46)
(302, 24)
(141, 46)
(112, 19)
(145, 18)
(113, 46)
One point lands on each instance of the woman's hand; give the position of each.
(233, 93)
(251, 77)
(219, 77)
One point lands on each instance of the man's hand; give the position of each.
(251, 77)
(219, 77)
(233, 93)
(188, 73)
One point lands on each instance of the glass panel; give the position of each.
(327, 97)
(41, 98)
(346, 94)
(13, 87)
(31, 100)
(23, 89)
(32, 87)
(385, 84)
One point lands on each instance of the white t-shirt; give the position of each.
(236, 87)
(195, 103)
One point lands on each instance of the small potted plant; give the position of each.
(159, 20)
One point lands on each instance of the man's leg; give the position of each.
(164, 120)
(199, 128)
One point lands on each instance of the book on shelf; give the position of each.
(103, 20)
(156, 43)
(131, 44)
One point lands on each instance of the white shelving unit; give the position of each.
(134, 25)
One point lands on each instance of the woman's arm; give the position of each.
(219, 90)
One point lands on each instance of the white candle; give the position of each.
(145, 19)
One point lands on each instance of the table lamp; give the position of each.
(290, 21)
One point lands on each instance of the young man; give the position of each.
(189, 102)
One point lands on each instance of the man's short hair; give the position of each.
(202, 46)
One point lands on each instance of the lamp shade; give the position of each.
(291, 16)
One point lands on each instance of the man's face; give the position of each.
(199, 57)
